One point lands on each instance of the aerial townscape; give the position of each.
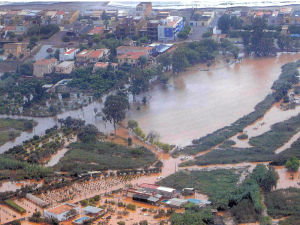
(150, 113)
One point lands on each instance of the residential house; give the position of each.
(105, 51)
(96, 30)
(68, 55)
(44, 66)
(274, 18)
(83, 57)
(96, 56)
(169, 28)
(128, 43)
(22, 28)
(129, 26)
(111, 13)
(70, 17)
(143, 31)
(202, 18)
(46, 19)
(130, 58)
(123, 50)
(104, 65)
(143, 9)
(9, 17)
(244, 14)
(16, 49)
(162, 15)
(152, 29)
(65, 67)
(284, 15)
(295, 17)
(96, 15)
(267, 15)
(7, 30)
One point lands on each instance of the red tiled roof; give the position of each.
(44, 61)
(96, 54)
(96, 30)
(10, 28)
(102, 64)
(132, 55)
(145, 185)
(136, 48)
(60, 13)
(12, 12)
(70, 51)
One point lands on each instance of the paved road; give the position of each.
(198, 31)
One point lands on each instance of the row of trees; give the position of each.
(195, 52)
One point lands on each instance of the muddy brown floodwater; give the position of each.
(200, 102)
(194, 104)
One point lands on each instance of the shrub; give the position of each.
(242, 136)
(65, 95)
(292, 164)
(131, 206)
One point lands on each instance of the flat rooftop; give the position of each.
(61, 209)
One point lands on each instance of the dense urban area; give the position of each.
(148, 115)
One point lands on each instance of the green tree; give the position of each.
(165, 59)
(179, 60)
(20, 39)
(105, 23)
(131, 124)
(66, 39)
(56, 53)
(115, 107)
(139, 82)
(224, 23)
(292, 163)
(235, 22)
(143, 60)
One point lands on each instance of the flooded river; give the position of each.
(196, 102)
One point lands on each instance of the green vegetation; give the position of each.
(292, 163)
(242, 136)
(245, 212)
(24, 170)
(184, 34)
(193, 216)
(295, 220)
(102, 156)
(207, 182)
(283, 202)
(131, 206)
(245, 200)
(14, 206)
(115, 107)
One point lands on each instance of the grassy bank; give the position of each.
(263, 149)
(11, 128)
(103, 156)
(283, 202)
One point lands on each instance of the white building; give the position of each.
(61, 212)
(68, 55)
(169, 28)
